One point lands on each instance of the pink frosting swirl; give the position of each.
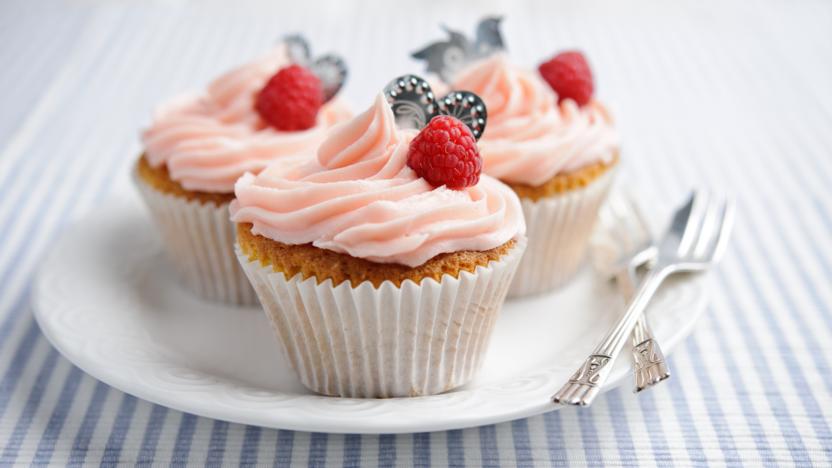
(529, 138)
(209, 140)
(359, 197)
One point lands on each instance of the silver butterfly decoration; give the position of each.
(414, 104)
(445, 58)
(329, 68)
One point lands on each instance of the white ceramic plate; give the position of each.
(108, 301)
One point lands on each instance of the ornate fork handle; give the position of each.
(649, 365)
(587, 381)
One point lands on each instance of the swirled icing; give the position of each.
(359, 197)
(529, 138)
(208, 140)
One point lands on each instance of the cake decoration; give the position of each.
(329, 68)
(291, 99)
(569, 75)
(414, 104)
(445, 58)
(445, 153)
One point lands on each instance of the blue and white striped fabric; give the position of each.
(730, 97)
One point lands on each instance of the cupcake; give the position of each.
(198, 146)
(550, 141)
(382, 263)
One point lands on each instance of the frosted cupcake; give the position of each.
(558, 156)
(547, 138)
(384, 262)
(198, 146)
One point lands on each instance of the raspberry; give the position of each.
(291, 99)
(445, 153)
(569, 75)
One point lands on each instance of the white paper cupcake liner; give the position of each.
(366, 342)
(199, 240)
(558, 229)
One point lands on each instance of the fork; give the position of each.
(623, 221)
(695, 240)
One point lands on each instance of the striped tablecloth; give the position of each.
(729, 97)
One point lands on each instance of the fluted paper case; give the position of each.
(366, 342)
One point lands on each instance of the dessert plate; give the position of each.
(107, 299)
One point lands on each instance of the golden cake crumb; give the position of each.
(159, 178)
(562, 183)
(325, 264)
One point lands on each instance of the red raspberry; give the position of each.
(445, 153)
(569, 75)
(291, 99)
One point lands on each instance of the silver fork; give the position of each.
(694, 241)
(622, 220)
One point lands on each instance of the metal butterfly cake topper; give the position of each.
(445, 58)
(414, 104)
(329, 68)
